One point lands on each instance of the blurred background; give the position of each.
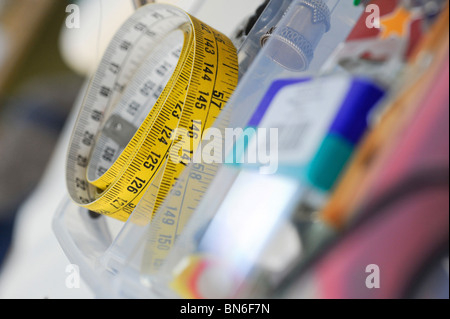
(37, 90)
(47, 53)
(45, 61)
(38, 87)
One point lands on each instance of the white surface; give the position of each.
(303, 113)
(238, 233)
(82, 47)
(36, 265)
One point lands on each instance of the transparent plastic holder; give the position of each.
(111, 256)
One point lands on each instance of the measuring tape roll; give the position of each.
(165, 74)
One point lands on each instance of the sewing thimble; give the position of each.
(294, 39)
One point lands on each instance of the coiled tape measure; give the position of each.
(164, 72)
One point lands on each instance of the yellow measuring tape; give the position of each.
(162, 81)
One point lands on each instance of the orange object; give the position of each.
(420, 75)
(396, 23)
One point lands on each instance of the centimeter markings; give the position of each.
(187, 191)
(141, 94)
(95, 87)
(173, 170)
(115, 170)
(187, 109)
(144, 161)
(147, 173)
(85, 127)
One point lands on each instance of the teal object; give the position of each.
(236, 157)
(344, 134)
(329, 161)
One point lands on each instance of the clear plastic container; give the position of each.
(113, 256)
